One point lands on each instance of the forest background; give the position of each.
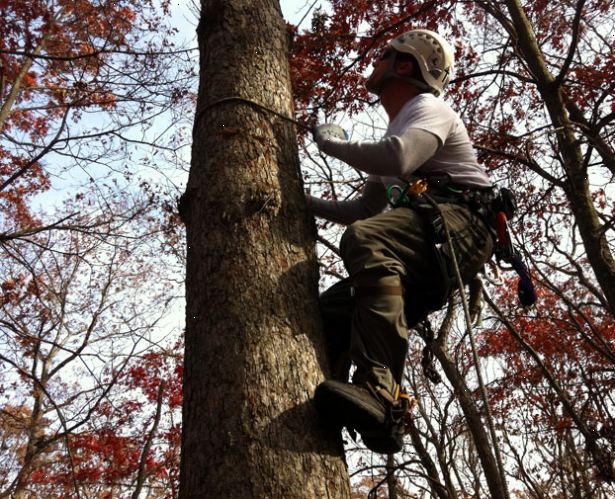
(97, 103)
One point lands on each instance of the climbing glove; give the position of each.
(322, 133)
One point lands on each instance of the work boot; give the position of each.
(360, 408)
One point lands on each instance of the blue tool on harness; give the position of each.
(505, 251)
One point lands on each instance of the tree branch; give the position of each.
(34, 160)
(148, 444)
(576, 23)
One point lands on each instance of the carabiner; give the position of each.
(397, 196)
(418, 187)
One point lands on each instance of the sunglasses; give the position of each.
(383, 54)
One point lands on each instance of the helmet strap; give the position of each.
(417, 83)
(391, 73)
(385, 76)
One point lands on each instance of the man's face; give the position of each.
(381, 65)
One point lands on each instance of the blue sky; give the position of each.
(182, 12)
(184, 16)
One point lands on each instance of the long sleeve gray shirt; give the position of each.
(426, 135)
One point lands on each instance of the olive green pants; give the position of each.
(363, 316)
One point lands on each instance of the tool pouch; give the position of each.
(505, 201)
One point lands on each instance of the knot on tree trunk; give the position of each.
(262, 200)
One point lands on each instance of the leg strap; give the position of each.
(378, 290)
(395, 399)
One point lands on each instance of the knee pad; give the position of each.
(354, 235)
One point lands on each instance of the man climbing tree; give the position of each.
(535, 87)
(399, 269)
(253, 355)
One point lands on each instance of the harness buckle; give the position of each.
(419, 187)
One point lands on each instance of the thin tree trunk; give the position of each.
(576, 188)
(141, 477)
(438, 489)
(392, 484)
(254, 352)
(16, 87)
(495, 479)
(475, 423)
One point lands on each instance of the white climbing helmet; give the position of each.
(432, 52)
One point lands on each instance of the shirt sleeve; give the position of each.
(371, 202)
(393, 156)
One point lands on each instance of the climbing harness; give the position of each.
(413, 195)
(494, 208)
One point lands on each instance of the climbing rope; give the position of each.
(468, 323)
(254, 104)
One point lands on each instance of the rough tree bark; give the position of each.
(253, 347)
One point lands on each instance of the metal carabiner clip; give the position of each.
(397, 195)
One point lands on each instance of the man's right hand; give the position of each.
(328, 131)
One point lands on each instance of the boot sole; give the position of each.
(381, 442)
(337, 408)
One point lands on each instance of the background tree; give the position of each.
(81, 362)
(77, 79)
(87, 284)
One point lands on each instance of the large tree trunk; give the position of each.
(253, 343)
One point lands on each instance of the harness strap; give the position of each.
(493, 207)
(396, 399)
(398, 408)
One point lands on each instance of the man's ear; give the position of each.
(404, 68)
